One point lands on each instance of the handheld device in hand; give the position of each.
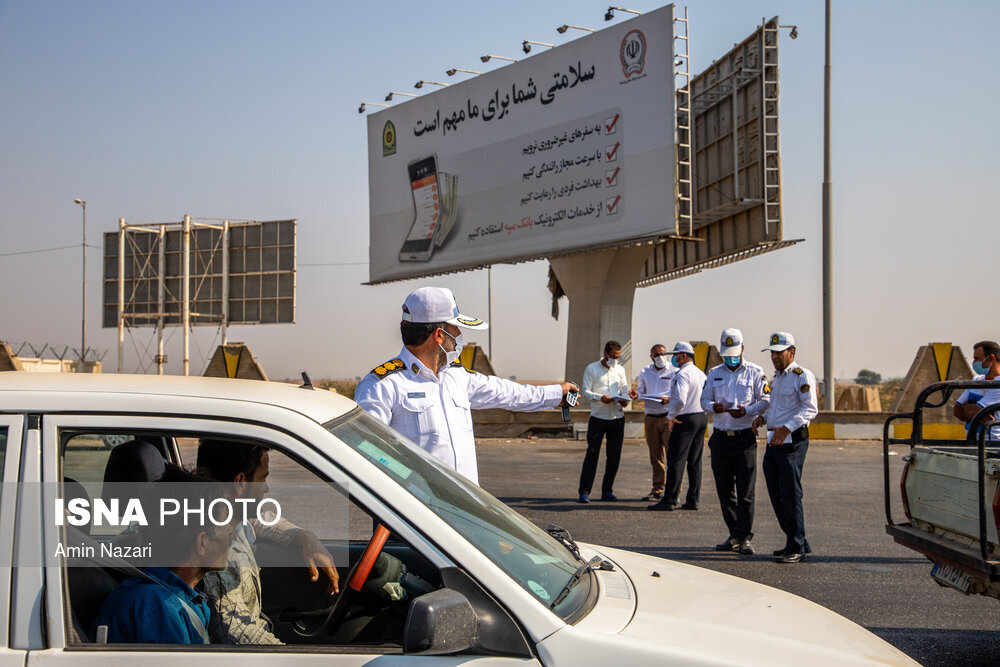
(572, 398)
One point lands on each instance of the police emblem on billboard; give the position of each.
(388, 139)
(633, 53)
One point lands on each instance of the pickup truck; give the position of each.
(950, 494)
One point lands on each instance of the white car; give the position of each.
(502, 591)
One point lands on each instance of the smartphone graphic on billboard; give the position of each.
(419, 243)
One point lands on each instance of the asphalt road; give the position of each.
(855, 568)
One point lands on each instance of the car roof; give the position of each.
(16, 388)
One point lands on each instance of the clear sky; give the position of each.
(248, 110)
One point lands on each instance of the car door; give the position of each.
(63, 646)
(10, 459)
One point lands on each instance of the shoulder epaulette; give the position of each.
(388, 368)
(797, 371)
(458, 364)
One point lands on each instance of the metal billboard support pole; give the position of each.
(489, 308)
(186, 282)
(161, 298)
(121, 293)
(225, 282)
(828, 399)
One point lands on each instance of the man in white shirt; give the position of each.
(986, 366)
(687, 423)
(607, 387)
(653, 388)
(793, 406)
(427, 395)
(735, 392)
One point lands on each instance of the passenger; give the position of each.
(163, 606)
(234, 592)
(984, 364)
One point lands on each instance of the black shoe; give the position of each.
(652, 495)
(609, 497)
(791, 557)
(689, 506)
(662, 507)
(746, 547)
(807, 549)
(731, 544)
(780, 552)
(584, 498)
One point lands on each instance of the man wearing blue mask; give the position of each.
(427, 395)
(736, 391)
(986, 366)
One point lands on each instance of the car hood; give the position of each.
(702, 612)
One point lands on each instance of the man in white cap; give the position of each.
(687, 423)
(735, 392)
(427, 395)
(793, 406)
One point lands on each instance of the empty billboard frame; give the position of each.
(736, 163)
(565, 151)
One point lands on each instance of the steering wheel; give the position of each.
(355, 579)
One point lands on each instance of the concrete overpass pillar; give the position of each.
(600, 286)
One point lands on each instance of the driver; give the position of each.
(234, 593)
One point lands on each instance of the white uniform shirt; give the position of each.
(598, 381)
(745, 386)
(793, 399)
(685, 391)
(655, 381)
(989, 397)
(435, 410)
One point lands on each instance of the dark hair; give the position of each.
(170, 538)
(224, 459)
(612, 346)
(656, 346)
(415, 333)
(989, 348)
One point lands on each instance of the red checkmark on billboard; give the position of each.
(612, 176)
(610, 123)
(612, 204)
(611, 152)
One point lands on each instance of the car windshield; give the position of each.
(536, 561)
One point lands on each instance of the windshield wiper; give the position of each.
(596, 561)
(564, 538)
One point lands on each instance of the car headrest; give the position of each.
(134, 461)
(73, 489)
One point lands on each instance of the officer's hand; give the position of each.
(568, 387)
(778, 436)
(664, 400)
(605, 399)
(670, 424)
(758, 421)
(718, 408)
(318, 558)
(623, 401)
(633, 394)
(737, 412)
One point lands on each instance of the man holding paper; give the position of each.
(606, 385)
(735, 392)
(653, 389)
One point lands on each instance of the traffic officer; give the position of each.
(427, 395)
(735, 392)
(687, 423)
(654, 389)
(793, 406)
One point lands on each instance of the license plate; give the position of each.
(951, 576)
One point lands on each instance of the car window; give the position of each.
(260, 593)
(536, 561)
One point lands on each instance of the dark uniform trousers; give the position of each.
(734, 466)
(687, 440)
(783, 473)
(596, 430)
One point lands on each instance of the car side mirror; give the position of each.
(439, 623)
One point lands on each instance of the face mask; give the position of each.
(979, 368)
(732, 362)
(452, 357)
(611, 363)
(660, 361)
(674, 362)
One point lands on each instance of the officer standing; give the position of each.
(735, 392)
(606, 385)
(793, 406)
(427, 395)
(687, 423)
(654, 388)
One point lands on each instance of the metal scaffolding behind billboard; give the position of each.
(198, 272)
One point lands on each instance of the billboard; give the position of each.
(569, 149)
(259, 274)
(736, 190)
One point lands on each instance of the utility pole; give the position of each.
(828, 400)
(83, 322)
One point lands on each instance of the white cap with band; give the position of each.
(731, 343)
(780, 341)
(437, 304)
(682, 347)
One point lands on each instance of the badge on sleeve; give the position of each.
(389, 367)
(804, 389)
(767, 389)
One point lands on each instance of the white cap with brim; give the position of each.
(682, 348)
(731, 343)
(437, 304)
(780, 341)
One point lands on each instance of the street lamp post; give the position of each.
(83, 320)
